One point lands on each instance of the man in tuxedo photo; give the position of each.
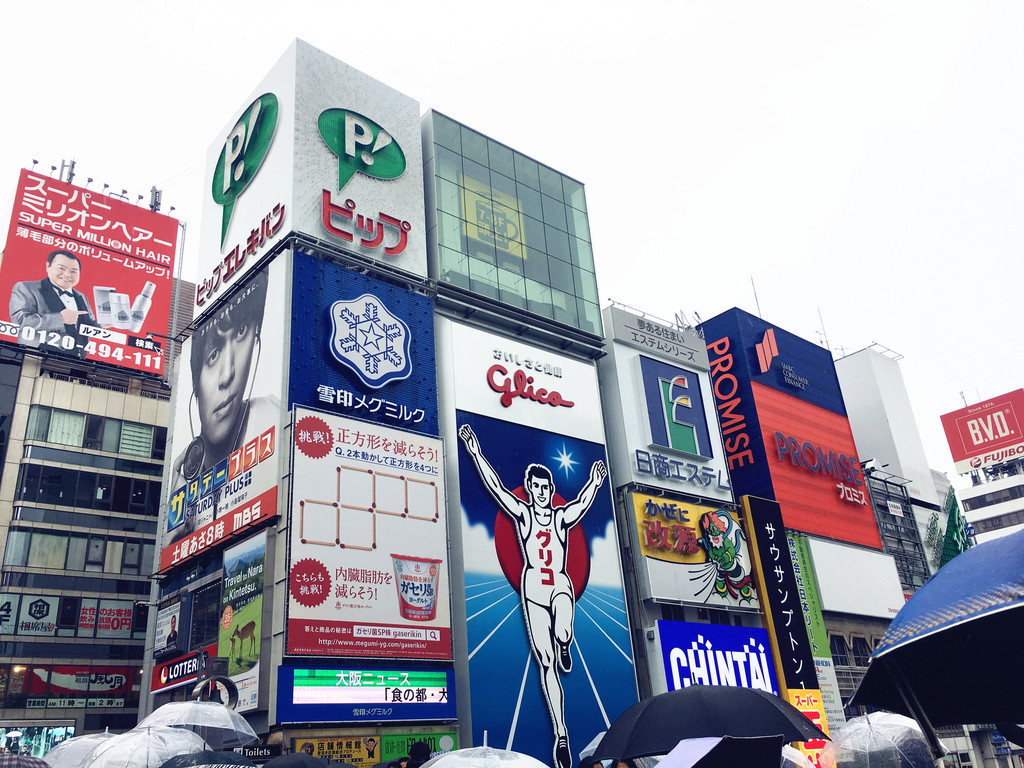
(50, 310)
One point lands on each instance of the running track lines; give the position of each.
(590, 679)
(583, 605)
(488, 607)
(519, 703)
(601, 630)
(619, 606)
(515, 609)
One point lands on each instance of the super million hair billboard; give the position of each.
(86, 275)
(322, 149)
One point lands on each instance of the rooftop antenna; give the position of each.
(824, 335)
(756, 302)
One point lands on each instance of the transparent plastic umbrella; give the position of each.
(148, 747)
(483, 757)
(222, 728)
(71, 752)
(878, 740)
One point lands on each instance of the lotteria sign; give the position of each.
(340, 161)
(179, 671)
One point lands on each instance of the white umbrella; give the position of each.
(483, 757)
(140, 747)
(71, 752)
(222, 728)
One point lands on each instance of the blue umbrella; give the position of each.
(954, 654)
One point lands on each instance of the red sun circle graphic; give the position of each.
(510, 555)
(313, 437)
(309, 583)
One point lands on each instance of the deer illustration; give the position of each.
(248, 632)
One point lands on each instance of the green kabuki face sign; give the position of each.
(361, 145)
(245, 149)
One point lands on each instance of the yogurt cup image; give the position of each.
(416, 579)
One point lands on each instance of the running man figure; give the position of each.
(545, 590)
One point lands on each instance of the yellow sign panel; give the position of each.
(360, 750)
(808, 701)
(492, 218)
(671, 530)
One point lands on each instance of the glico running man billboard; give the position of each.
(87, 276)
(318, 148)
(786, 431)
(549, 650)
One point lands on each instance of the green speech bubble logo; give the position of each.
(244, 151)
(361, 145)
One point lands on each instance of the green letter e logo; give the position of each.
(361, 145)
(244, 151)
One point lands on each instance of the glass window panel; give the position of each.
(550, 182)
(47, 550)
(586, 285)
(77, 546)
(512, 288)
(561, 275)
(147, 558)
(454, 267)
(447, 133)
(504, 185)
(529, 201)
(590, 316)
(137, 503)
(95, 554)
(527, 171)
(449, 231)
(558, 243)
(111, 435)
(578, 224)
(861, 652)
(136, 439)
(152, 498)
(534, 231)
(53, 482)
(554, 212)
(86, 492)
(582, 253)
(115, 553)
(449, 197)
(500, 158)
(475, 172)
(483, 278)
(573, 194)
(104, 492)
(837, 644)
(205, 616)
(535, 266)
(538, 298)
(160, 443)
(93, 433)
(29, 482)
(448, 165)
(564, 307)
(66, 428)
(16, 551)
(38, 423)
(480, 250)
(474, 146)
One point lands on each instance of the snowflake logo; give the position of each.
(371, 341)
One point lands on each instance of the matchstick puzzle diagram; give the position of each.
(368, 493)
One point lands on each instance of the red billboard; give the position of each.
(815, 473)
(986, 433)
(87, 275)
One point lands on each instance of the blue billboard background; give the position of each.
(391, 338)
(507, 700)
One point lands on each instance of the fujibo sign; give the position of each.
(321, 149)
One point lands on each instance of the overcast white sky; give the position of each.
(861, 164)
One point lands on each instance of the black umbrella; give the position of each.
(656, 725)
(208, 759)
(11, 760)
(725, 752)
(952, 655)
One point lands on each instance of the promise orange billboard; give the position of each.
(87, 276)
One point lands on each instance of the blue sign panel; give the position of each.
(361, 347)
(716, 654)
(675, 408)
(367, 694)
(775, 358)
